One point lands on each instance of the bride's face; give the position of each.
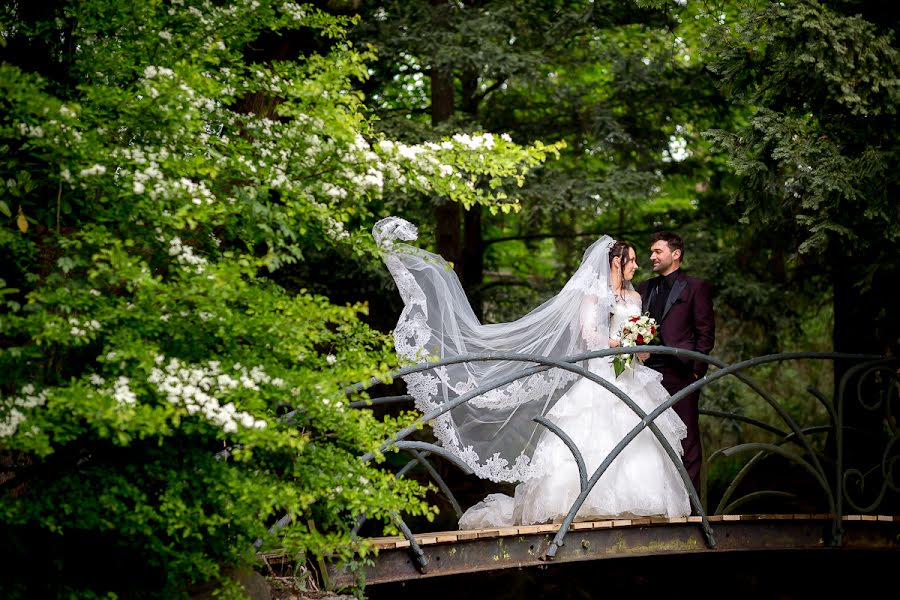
(630, 266)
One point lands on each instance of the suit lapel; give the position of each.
(651, 294)
(677, 287)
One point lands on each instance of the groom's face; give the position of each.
(662, 259)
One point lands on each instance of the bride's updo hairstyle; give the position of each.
(619, 249)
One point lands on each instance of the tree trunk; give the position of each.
(446, 213)
(469, 89)
(858, 328)
(473, 259)
(473, 238)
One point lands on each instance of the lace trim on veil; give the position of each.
(423, 386)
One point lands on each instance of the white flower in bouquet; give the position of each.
(639, 330)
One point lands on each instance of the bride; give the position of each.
(494, 432)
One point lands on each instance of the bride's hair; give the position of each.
(620, 249)
(617, 276)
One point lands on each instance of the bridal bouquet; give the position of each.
(637, 331)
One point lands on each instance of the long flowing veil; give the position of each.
(493, 433)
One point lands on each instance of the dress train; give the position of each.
(641, 481)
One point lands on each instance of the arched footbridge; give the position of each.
(836, 490)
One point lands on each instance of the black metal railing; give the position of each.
(834, 487)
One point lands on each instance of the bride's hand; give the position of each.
(643, 356)
(613, 343)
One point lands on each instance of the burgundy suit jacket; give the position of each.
(688, 320)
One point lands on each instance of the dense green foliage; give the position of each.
(620, 84)
(142, 335)
(817, 158)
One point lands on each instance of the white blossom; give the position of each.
(152, 71)
(122, 392)
(198, 389)
(94, 170)
(35, 131)
(184, 254)
(11, 417)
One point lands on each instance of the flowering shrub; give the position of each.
(140, 336)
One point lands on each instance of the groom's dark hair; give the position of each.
(673, 240)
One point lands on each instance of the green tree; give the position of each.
(157, 173)
(619, 83)
(817, 158)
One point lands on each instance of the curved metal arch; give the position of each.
(722, 508)
(419, 458)
(547, 363)
(435, 449)
(829, 408)
(646, 420)
(755, 496)
(544, 364)
(440, 481)
(361, 519)
(414, 547)
(792, 456)
(852, 372)
(382, 400)
(558, 540)
(819, 477)
(748, 420)
(570, 444)
(745, 470)
(723, 371)
(815, 468)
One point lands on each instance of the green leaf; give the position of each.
(618, 365)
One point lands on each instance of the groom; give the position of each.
(682, 305)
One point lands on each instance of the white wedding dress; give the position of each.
(641, 481)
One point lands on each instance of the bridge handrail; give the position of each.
(646, 419)
(795, 434)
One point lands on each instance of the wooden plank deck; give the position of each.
(449, 537)
(471, 551)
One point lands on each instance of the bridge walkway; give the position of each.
(474, 551)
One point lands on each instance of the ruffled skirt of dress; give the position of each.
(641, 481)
